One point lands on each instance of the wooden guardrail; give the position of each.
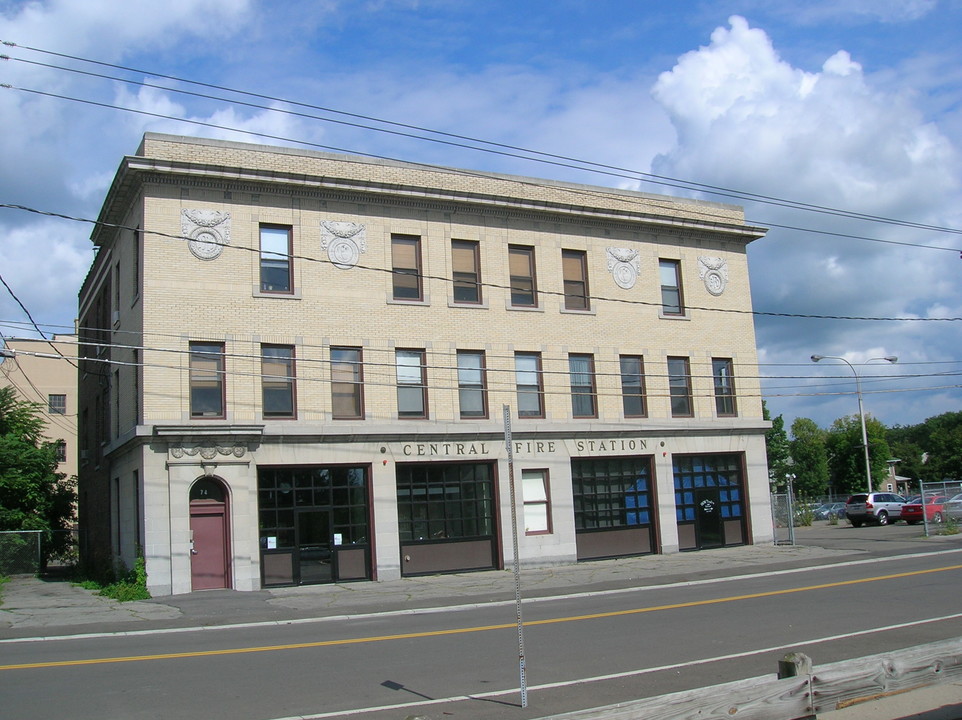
(800, 690)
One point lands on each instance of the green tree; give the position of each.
(810, 458)
(846, 455)
(776, 447)
(33, 495)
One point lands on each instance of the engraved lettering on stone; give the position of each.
(207, 231)
(344, 242)
(714, 273)
(624, 266)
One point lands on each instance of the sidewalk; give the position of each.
(47, 607)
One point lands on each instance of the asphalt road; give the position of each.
(582, 650)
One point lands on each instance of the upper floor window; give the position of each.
(276, 265)
(527, 370)
(61, 448)
(347, 383)
(412, 386)
(581, 371)
(472, 384)
(672, 302)
(723, 373)
(574, 267)
(57, 404)
(277, 381)
(633, 386)
(206, 380)
(466, 271)
(679, 386)
(524, 287)
(406, 266)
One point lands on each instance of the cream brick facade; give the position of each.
(44, 372)
(148, 296)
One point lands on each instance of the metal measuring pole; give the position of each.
(517, 561)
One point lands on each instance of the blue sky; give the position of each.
(846, 104)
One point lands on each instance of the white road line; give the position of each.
(613, 676)
(465, 607)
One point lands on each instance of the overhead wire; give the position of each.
(538, 156)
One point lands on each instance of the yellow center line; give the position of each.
(459, 631)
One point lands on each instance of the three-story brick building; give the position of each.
(299, 367)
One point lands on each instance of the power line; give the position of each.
(483, 284)
(538, 155)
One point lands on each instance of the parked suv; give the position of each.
(881, 508)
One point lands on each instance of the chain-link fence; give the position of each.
(934, 515)
(783, 518)
(35, 551)
(20, 552)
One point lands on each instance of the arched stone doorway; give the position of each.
(209, 536)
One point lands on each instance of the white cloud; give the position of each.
(747, 119)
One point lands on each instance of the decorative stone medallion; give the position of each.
(714, 273)
(624, 266)
(207, 231)
(208, 452)
(344, 242)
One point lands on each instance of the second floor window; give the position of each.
(206, 380)
(406, 267)
(723, 374)
(633, 386)
(277, 381)
(527, 370)
(466, 271)
(524, 287)
(581, 370)
(57, 404)
(472, 388)
(672, 302)
(347, 385)
(412, 386)
(574, 267)
(679, 386)
(276, 270)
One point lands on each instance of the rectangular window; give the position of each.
(672, 302)
(574, 266)
(61, 448)
(524, 288)
(633, 386)
(277, 381)
(466, 271)
(276, 275)
(472, 384)
(723, 373)
(445, 501)
(206, 380)
(347, 383)
(412, 386)
(527, 369)
(537, 508)
(581, 371)
(679, 386)
(406, 266)
(612, 493)
(57, 404)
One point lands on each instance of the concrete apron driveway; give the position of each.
(34, 606)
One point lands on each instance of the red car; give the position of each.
(912, 512)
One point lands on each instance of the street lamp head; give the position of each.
(816, 358)
(891, 358)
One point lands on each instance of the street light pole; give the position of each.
(861, 411)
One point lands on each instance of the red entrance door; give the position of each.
(208, 554)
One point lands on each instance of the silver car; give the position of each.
(879, 507)
(953, 507)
